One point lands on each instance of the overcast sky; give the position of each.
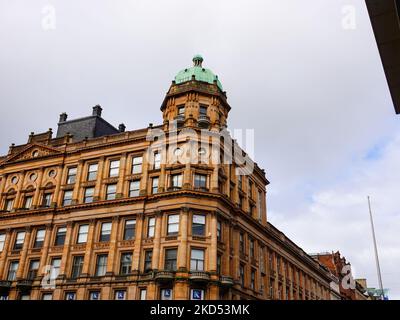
(297, 72)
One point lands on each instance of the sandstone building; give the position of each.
(164, 212)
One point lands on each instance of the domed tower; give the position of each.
(196, 99)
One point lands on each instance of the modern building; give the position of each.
(385, 20)
(174, 211)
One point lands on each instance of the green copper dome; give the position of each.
(200, 73)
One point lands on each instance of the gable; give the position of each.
(33, 151)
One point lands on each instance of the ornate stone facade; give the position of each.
(127, 216)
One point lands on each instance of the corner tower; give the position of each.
(196, 99)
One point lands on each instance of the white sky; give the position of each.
(314, 93)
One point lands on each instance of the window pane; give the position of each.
(134, 187)
(83, 233)
(137, 165)
(129, 232)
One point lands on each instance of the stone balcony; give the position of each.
(199, 276)
(203, 121)
(4, 284)
(164, 275)
(24, 284)
(226, 281)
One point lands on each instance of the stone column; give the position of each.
(77, 186)
(214, 180)
(45, 249)
(121, 177)
(226, 263)
(156, 242)
(137, 253)
(66, 249)
(6, 249)
(112, 259)
(89, 247)
(2, 187)
(20, 185)
(162, 187)
(187, 177)
(24, 252)
(36, 198)
(214, 243)
(145, 174)
(57, 193)
(100, 173)
(182, 254)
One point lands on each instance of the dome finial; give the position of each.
(197, 60)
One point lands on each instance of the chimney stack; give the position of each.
(63, 117)
(97, 110)
(121, 127)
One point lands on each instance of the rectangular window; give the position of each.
(251, 242)
(114, 169)
(55, 268)
(105, 233)
(219, 259)
(77, 265)
(28, 202)
(120, 295)
(151, 227)
(126, 264)
(2, 241)
(252, 280)
(134, 188)
(181, 110)
(71, 175)
(82, 233)
(176, 181)
(137, 165)
(47, 296)
(173, 224)
(203, 110)
(170, 259)
(241, 275)
(219, 231)
(154, 185)
(67, 200)
(240, 182)
(129, 231)
(111, 192)
(143, 294)
(92, 172)
(60, 236)
(12, 271)
(46, 201)
(198, 225)
(9, 205)
(19, 240)
(241, 243)
(148, 255)
(39, 240)
(33, 269)
(259, 201)
(157, 160)
(197, 260)
(88, 197)
(200, 181)
(101, 265)
(94, 295)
